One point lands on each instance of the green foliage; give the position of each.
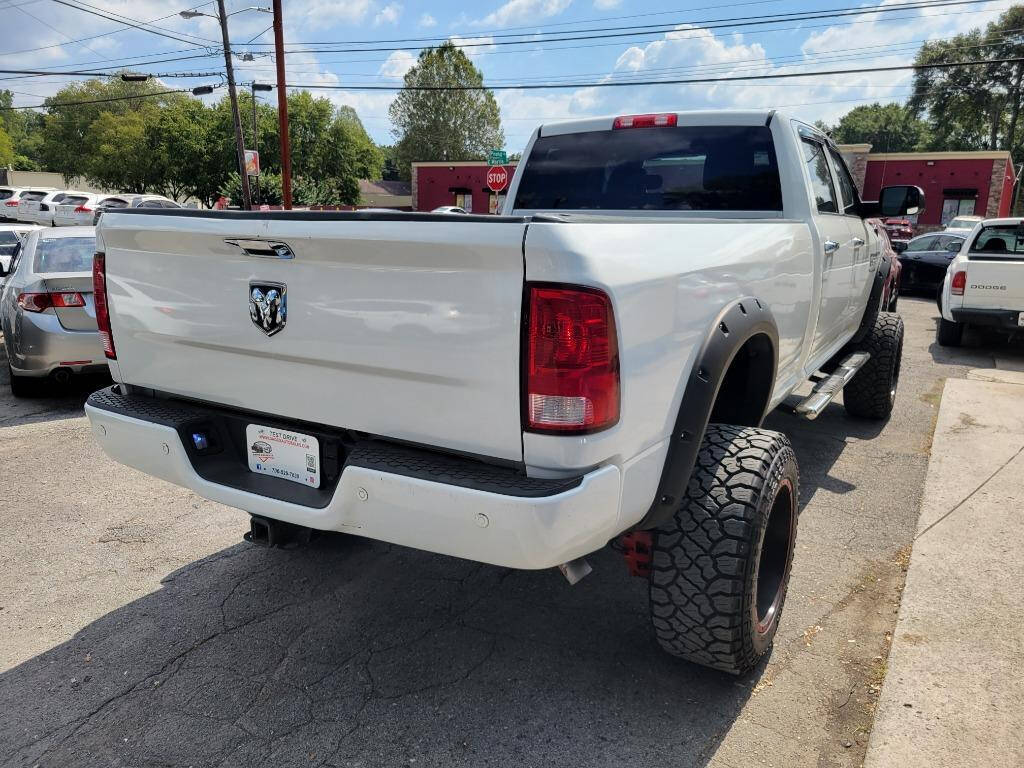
(304, 191)
(6, 148)
(886, 127)
(24, 128)
(444, 125)
(974, 107)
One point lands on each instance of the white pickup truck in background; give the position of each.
(523, 389)
(984, 284)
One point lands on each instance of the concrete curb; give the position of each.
(954, 692)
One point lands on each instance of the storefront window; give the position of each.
(952, 207)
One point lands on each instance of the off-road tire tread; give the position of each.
(703, 564)
(948, 333)
(868, 393)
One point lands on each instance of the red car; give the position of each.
(890, 267)
(899, 229)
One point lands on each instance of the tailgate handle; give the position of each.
(263, 249)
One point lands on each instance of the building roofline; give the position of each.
(442, 163)
(979, 155)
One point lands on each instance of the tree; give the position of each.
(886, 127)
(124, 155)
(24, 128)
(444, 125)
(979, 106)
(6, 148)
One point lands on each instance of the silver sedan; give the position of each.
(46, 309)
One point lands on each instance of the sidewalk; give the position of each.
(954, 690)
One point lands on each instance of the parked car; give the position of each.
(984, 284)
(10, 197)
(40, 210)
(46, 309)
(926, 258)
(76, 210)
(899, 228)
(889, 271)
(11, 236)
(132, 201)
(30, 199)
(597, 362)
(963, 224)
(448, 209)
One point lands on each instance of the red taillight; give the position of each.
(662, 120)
(37, 302)
(572, 360)
(99, 298)
(11, 203)
(958, 283)
(83, 209)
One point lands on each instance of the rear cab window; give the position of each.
(64, 254)
(821, 178)
(1000, 239)
(703, 168)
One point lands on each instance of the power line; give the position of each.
(100, 101)
(684, 81)
(106, 74)
(102, 34)
(745, 21)
(137, 24)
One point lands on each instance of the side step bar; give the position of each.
(831, 386)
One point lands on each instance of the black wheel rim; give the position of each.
(774, 560)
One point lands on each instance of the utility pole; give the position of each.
(282, 107)
(222, 16)
(256, 131)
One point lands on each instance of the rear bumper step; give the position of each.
(409, 496)
(826, 389)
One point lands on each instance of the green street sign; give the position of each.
(497, 157)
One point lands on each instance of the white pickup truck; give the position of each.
(984, 284)
(593, 366)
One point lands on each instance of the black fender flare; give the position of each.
(734, 326)
(874, 305)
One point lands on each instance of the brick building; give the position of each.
(463, 184)
(954, 183)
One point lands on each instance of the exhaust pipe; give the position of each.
(264, 532)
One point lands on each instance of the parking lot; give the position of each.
(140, 630)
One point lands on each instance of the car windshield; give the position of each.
(707, 168)
(5, 193)
(1004, 239)
(65, 254)
(8, 237)
(73, 200)
(962, 224)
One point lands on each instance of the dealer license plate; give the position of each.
(280, 453)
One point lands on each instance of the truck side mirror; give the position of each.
(901, 201)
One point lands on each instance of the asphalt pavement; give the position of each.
(139, 630)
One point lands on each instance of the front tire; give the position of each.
(720, 569)
(948, 333)
(871, 393)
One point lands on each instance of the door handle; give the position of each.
(857, 242)
(831, 246)
(262, 249)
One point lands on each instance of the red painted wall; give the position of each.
(435, 185)
(944, 174)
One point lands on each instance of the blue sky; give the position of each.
(681, 47)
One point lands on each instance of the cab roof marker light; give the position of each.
(653, 120)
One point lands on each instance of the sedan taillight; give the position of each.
(99, 298)
(37, 302)
(571, 360)
(83, 209)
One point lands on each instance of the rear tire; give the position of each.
(720, 569)
(948, 333)
(871, 393)
(21, 386)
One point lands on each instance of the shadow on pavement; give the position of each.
(982, 348)
(51, 402)
(350, 652)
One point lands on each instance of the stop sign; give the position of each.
(497, 178)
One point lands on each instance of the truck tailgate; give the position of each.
(994, 282)
(404, 329)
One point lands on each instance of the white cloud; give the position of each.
(397, 64)
(525, 11)
(605, 5)
(328, 12)
(427, 21)
(475, 45)
(389, 14)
